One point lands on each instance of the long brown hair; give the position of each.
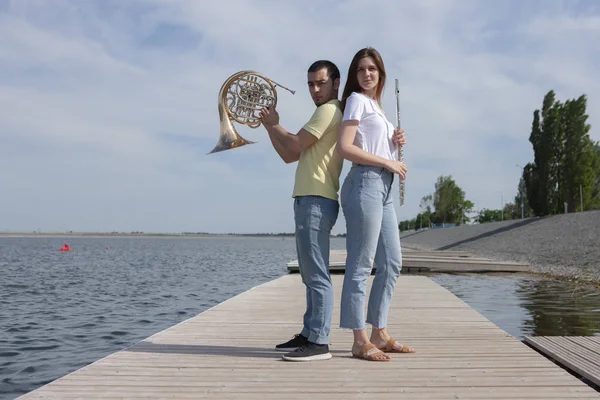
(352, 82)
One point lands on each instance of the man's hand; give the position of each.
(269, 116)
(398, 137)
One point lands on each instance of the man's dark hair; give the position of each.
(332, 70)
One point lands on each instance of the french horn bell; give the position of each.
(241, 98)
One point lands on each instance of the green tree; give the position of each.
(486, 215)
(565, 158)
(465, 209)
(427, 203)
(541, 179)
(408, 225)
(424, 218)
(579, 155)
(512, 211)
(595, 200)
(521, 200)
(449, 202)
(534, 188)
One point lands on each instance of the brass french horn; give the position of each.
(241, 98)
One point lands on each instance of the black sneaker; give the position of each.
(309, 352)
(292, 344)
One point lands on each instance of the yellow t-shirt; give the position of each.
(319, 167)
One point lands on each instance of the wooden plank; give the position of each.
(577, 353)
(465, 265)
(227, 353)
(433, 265)
(431, 261)
(380, 392)
(408, 260)
(445, 253)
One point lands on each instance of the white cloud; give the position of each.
(109, 108)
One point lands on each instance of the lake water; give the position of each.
(60, 311)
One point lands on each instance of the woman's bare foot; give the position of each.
(369, 352)
(364, 349)
(383, 341)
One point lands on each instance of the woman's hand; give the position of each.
(398, 137)
(397, 167)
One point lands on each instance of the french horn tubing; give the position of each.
(241, 98)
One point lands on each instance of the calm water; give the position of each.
(527, 305)
(61, 311)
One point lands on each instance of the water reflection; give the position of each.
(560, 308)
(526, 305)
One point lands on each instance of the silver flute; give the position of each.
(400, 152)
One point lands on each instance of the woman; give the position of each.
(369, 140)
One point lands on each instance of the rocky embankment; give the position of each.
(566, 246)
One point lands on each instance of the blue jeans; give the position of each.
(372, 238)
(315, 216)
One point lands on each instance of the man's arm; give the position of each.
(287, 145)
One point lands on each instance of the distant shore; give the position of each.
(143, 234)
(564, 246)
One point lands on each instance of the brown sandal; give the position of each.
(374, 356)
(389, 347)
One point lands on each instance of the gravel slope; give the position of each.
(566, 245)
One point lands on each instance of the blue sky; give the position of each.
(109, 107)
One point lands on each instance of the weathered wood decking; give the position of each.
(226, 353)
(580, 354)
(416, 260)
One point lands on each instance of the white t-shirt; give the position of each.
(374, 133)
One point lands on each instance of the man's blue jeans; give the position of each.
(372, 237)
(315, 216)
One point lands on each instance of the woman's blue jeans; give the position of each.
(372, 238)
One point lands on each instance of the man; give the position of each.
(316, 205)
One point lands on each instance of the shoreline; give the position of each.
(147, 235)
(561, 246)
(140, 235)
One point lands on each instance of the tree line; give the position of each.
(564, 173)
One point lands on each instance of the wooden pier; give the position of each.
(227, 353)
(580, 354)
(416, 261)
